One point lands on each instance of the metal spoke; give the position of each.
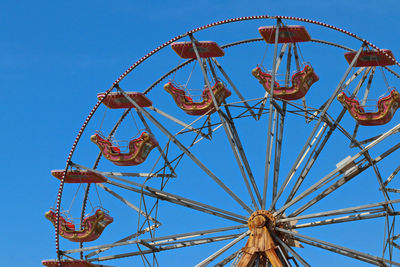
(187, 152)
(240, 150)
(366, 93)
(163, 195)
(278, 150)
(158, 145)
(218, 253)
(98, 251)
(167, 246)
(349, 218)
(279, 133)
(296, 58)
(348, 163)
(316, 151)
(281, 54)
(186, 203)
(172, 118)
(161, 240)
(348, 175)
(339, 249)
(269, 131)
(223, 121)
(323, 112)
(357, 209)
(391, 176)
(392, 190)
(129, 204)
(351, 79)
(229, 259)
(234, 87)
(271, 137)
(288, 248)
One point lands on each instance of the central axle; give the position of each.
(260, 246)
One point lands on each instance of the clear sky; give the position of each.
(56, 56)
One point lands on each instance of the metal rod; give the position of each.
(129, 204)
(172, 118)
(347, 177)
(222, 119)
(168, 246)
(349, 218)
(229, 258)
(310, 145)
(340, 168)
(229, 127)
(351, 173)
(160, 194)
(234, 87)
(344, 86)
(303, 99)
(282, 52)
(269, 131)
(316, 151)
(218, 253)
(338, 249)
(311, 160)
(158, 145)
(393, 190)
(356, 209)
(184, 203)
(269, 153)
(278, 150)
(187, 152)
(243, 157)
(338, 88)
(96, 252)
(366, 93)
(162, 239)
(391, 176)
(279, 134)
(361, 82)
(288, 248)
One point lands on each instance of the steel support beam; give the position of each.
(187, 152)
(330, 100)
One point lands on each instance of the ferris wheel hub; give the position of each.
(260, 243)
(261, 218)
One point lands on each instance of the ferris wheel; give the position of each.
(253, 141)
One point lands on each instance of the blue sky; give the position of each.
(55, 58)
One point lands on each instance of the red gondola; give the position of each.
(387, 106)
(301, 83)
(93, 226)
(198, 108)
(139, 149)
